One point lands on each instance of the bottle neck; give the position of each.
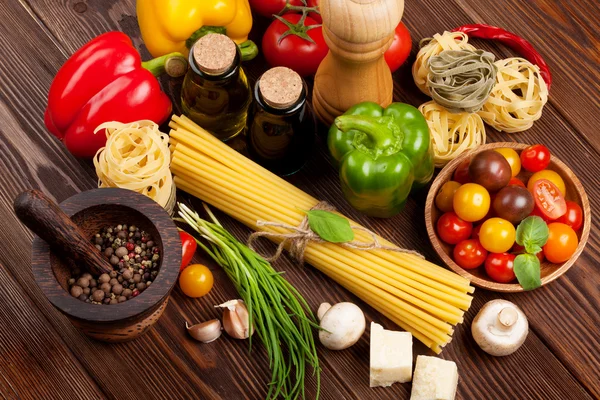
(229, 75)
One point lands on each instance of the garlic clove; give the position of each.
(236, 319)
(205, 332)
(323, 308)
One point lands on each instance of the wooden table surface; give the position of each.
(43, 356)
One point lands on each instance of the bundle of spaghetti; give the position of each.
(518, 98)
(419, 296)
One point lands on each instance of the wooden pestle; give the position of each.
(46, 219)
(357, 32)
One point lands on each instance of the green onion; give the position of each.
(279, 314)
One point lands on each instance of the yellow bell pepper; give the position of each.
(166, 25)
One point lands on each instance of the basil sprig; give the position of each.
(532, 234)
(329, 226)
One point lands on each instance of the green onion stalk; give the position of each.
(279, 314)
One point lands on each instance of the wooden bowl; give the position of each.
(478, 276)
(92, 211)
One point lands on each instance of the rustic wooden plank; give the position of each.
(343, 368)
(34, 360)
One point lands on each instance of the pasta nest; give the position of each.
(517, 99)
(452, 134)
(136, 157)
(432, 47)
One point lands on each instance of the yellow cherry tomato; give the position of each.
(497, 235)
(471, 202)
(513, 159)
(196, 280)
(443, 200)
(552, 176)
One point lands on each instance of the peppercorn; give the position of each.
(127, 274)
(121, 299)
(98, 295)
(71, 282)
(114, 260)
(137, 278)
(83, 282)
(117, 289)
(135, 293)
(121, 251)
(140, 286)
(122, 235)
(98, 240)
(149, 243)
(76, 291)
(105, 287)
(87, 290)
(113, 281)
(113, 274)
(146, 276)
(130, 246)
(83, 297)
(103, 278)
(106, 301)
(109, 251)
(126, 292)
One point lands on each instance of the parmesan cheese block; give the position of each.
(435, 379)
(391, 356)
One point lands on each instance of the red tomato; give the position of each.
(461, 174)
(548, 199)
(535, 158)
(188, 248)
(400, 48)
(516, 182)
(573, 217)
(499, 267)
(469, 254)
(475, 232)
(518, 249)
(293, 51)
(267, 8)
(538, 213)
(315, 16)
(452, 229)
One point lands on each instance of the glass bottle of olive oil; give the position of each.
(215, 92)
(281, 126)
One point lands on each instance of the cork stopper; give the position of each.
(280, 87)
(214, 53)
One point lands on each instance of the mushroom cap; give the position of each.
(500, 328)
(343, 324)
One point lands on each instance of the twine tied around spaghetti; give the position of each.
(300, 236)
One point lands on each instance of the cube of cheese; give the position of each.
(391, 356)
(435, 379)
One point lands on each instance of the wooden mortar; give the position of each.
(91, 211)
(357, 32)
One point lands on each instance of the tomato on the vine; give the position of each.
(469, 254)
(399, 49)
(535, 158)
(562, 242)
(196, 280)
(548, 199)
(499, 267)
(296, 42)
(497, 235)
(452, 229)
(573, 217)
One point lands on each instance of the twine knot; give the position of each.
(300, 236)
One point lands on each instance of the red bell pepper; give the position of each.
(105, 80)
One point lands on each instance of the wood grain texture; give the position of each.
(558, 361)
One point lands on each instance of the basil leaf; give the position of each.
(532, 233)
(329, 226)
(527, 270)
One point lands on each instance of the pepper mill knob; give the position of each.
(358, 32)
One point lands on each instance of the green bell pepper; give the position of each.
(381, 155)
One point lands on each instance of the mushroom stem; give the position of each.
(508, 317)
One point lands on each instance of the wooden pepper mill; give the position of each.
(357, 32)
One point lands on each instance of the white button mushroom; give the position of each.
(342, 325)
(500, 328)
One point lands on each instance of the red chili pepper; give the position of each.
(105, 80)
(188, 248)
(513, 41)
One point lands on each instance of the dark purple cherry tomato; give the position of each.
(513, 203)
(461, 173)
(490, 169)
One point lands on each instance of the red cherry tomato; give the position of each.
(293, 51)
(188, 248)
(535, 158)
(461, 174)
(499, 267)
(516, 182)
(469, 254)
(475, 232)
(573, 217)
(400, 48)
(452, 229)
(518, 249)
(538, 213)
(548, 199)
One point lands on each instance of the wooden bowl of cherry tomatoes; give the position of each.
(507, 216)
